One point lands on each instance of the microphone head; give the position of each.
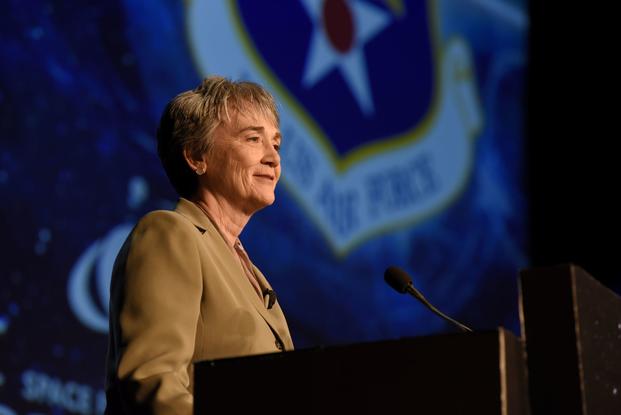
(397, 278)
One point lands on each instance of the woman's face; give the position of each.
(243, 164)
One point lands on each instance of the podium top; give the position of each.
(480, 372)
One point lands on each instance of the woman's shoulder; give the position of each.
(167, 221)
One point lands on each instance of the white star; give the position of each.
(322, 57)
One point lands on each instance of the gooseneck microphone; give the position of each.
(401, 282)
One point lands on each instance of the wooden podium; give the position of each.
(571, 345)
(475, 373)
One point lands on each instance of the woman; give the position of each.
(183, 288)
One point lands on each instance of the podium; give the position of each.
(571, 325)
(570, 347)
(475, 373)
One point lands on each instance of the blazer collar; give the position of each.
(194, 214)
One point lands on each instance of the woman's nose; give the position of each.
(271, 156)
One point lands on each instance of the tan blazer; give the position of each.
(180, 295)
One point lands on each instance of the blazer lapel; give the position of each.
(276, 312)
(234, 265)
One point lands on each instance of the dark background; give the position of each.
(572, 139)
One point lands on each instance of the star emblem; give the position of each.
(341, 30)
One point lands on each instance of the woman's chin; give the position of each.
(269, 200)
(260, 202)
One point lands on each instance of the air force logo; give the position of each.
(379, 112)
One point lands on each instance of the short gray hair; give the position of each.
(190, 118)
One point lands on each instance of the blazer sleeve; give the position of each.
(160, 298)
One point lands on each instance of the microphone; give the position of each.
(401, 282)
(269, 297)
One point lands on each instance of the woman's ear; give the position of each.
(198, 165)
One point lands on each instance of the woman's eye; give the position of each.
(277, 148)
(253, 139)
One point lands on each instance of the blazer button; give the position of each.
(279, 345)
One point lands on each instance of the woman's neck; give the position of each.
(229, 220)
